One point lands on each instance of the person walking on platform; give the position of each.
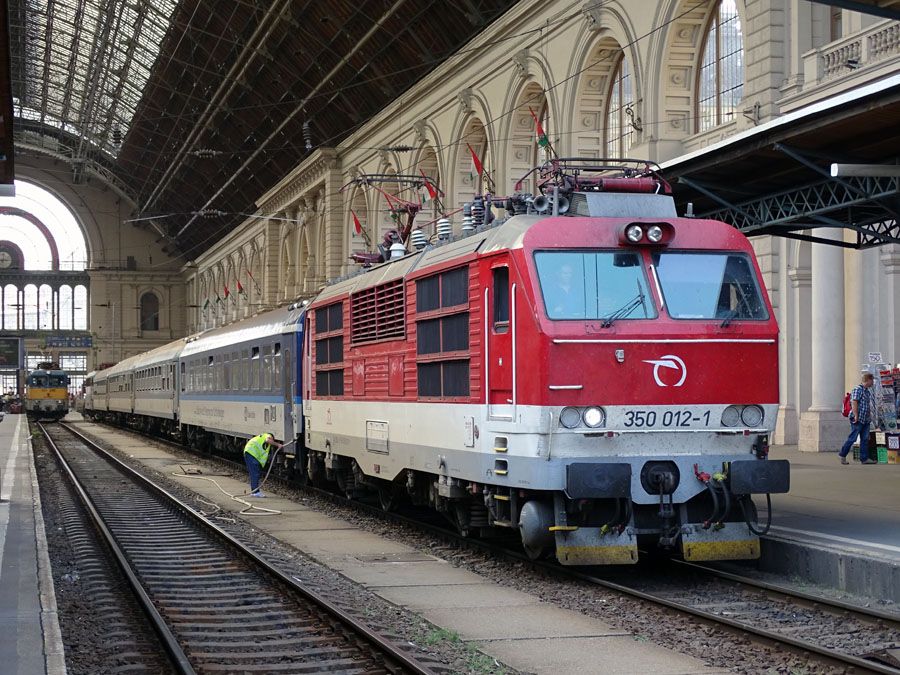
(862, 414)
(256, 454)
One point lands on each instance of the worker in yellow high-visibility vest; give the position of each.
(256, 454)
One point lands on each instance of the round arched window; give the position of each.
(149, 312)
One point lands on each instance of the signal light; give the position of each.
(655, 233)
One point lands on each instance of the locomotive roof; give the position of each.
(275, 322)
(46, 371)
(507, 235)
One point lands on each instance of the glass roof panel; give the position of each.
(82, 65)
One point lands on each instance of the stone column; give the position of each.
(785, 311)
(822, 427)
(887, 299)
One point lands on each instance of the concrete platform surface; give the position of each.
(855, 505)
(838, 527)
(31, 641)
(525, 633)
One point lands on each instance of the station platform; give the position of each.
(838, 526)
(30, 639)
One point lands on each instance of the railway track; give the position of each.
(840, 634)
(215, 605)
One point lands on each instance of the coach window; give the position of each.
(276, 367)
(501, 299)
(267, 368)
(245, 369)
(254, 369)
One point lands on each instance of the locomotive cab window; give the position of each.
(710, 286)
(594, 285)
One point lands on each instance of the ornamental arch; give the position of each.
(522, 149)
(467, 181)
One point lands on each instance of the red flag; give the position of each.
(240, 289)
(428, 186)
(356, 224)
(479, 169)
(226, 291)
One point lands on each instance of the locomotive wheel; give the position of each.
(460, 517)
(535, 552)
(389, 496)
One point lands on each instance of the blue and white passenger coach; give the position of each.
(240, 380)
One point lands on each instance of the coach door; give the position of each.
(500, 358)
(287, 392)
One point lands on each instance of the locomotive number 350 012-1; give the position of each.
(685, 419)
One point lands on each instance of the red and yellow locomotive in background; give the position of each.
(594, 371)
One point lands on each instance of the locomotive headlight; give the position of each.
(731, 417)
(654, 233)
(570, 417)
(635, 233)
(752, 416)
(594, 417)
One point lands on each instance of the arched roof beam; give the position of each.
(39, 224)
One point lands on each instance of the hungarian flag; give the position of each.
(479, 169)
(218, 298)
(227, 293)
(206, 305)
(356, 224)
(542, 139)
(240, 289)
(428, 186)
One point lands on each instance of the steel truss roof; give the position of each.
(776, 180)
(194, 107)
(865, 204)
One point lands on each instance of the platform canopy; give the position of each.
(194, 109)
(777, 178)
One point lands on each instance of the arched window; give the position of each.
(45, 307)
(619, 132)
(149, 312)
(31, 307)
(80, 309)
(66, 308)
(720, 83)
(11, 306)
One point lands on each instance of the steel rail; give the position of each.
(821, 602)
(169, 642)
(395, 659)
(794, 644)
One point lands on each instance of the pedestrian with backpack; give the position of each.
(862, 414)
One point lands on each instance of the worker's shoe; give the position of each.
(844, 460)
(871, 461)
(257, 494)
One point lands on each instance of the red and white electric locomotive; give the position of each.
(594, 371)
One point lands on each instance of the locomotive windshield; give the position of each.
(594, 285)
(709, 286)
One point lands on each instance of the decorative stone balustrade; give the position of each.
(852, 53)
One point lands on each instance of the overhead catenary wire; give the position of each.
(448, 146)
